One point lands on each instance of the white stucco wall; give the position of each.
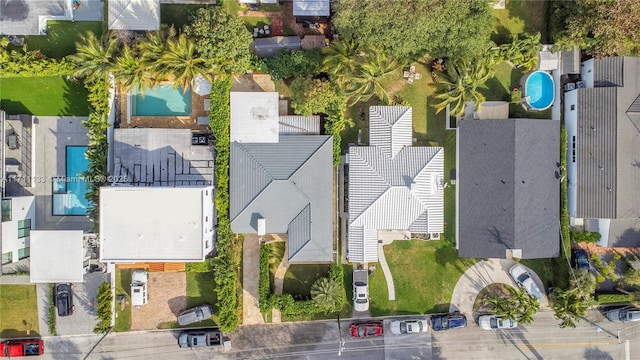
(22, 208)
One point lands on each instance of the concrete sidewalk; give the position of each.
(250, 273)
(481, 275)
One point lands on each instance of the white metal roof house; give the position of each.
(311, 11)
(603, 127)
(392, 184)
(281, 184)
(141, 15)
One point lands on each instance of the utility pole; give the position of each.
(342, 342)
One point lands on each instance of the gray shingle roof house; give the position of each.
(603, 127)
(508, 188)
(392, 184)
(283, 186)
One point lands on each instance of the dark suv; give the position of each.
(580, 259)
(64, 299)
(448, 321)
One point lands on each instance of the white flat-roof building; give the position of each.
(18, 217)
(164, 224)
(254, 117)
(57, 256)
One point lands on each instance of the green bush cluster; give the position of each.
(227, 264)
(585, 236)
(23, 62)
(103, 312)
(613, 298)
(264, 281)
(200, 267)
(607, 269)
(294, 63)
(51, 313)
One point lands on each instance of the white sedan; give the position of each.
(494, 322)
(412, 326)
(523, 278)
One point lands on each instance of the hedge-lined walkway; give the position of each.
(278, 284)
(251, 314)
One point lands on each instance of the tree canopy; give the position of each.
(314, 96)
(413, 28)
(221, 38)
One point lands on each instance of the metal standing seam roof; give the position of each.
(311, 8)
(134, 15)
(508, 189)
(390, 128)
(299, 125)
(286, 183)
(266, 47)
(608, 72)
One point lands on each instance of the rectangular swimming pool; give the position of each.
(161, 100)
(69, 191)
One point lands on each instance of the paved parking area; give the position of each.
(407, 346)
(167, 298)
(83, 319)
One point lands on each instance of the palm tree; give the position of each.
(518, 306)
(182, 61)
(325, 293)
(459, 82)
(151, 49)
(94, 57)
(568, 306)
(341, 58)
(130, 73)
(366, 80)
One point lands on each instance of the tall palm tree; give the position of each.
(130, 73)
(341, 58)
(94, 57)
(366, 80)
(518, 306)
(151, 49)
(458, 84)
(569, 307)
(183, 62)
(325, 293)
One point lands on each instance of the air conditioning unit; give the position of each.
(435, 236)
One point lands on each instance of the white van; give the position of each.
(139, 294)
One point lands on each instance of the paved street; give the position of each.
(321, 340)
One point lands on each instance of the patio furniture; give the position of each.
(266, 27)
(418, 76)
(255, 30)
(261, 31)
(410, 80)
(406, 74)
(267, 32)
(412, 69)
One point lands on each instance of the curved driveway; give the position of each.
(479, 276)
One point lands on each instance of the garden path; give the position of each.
(278, 283)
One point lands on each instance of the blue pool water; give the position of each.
(161, 100)
(69, 193)
(539, 89)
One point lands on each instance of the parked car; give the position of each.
(139, 293)
(523, 278)
(195, 314)
(448, 321)
(64, 299)
(579, 259)
(494, 322)
(366, 329)
(624, 314)
(202, 338)
(360, 290)
(21, 347)
(411, 326)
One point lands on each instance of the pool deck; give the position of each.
(167, 122)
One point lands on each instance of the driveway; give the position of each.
(481, 275)
(167, 298)
(83, 319)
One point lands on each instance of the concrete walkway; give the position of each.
(387, 273)
(278, 283)
(15, 280)
(250, 273)
(44, 301)
(478, 277)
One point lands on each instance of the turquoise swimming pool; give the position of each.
(161, 100)
(69, 191)
(539, 91)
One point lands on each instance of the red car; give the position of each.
(367, 329)
(21, 347)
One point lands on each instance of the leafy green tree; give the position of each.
(366, 81)
(518, 306)
(411, 29)
(95, 57)
(183, 62)
(151, 49)
(129, 71)
(103, 310)
(314, 96)
(458, 84)
(522, 50)
(221, 38)
(632, 276)
(584, 283)
(325, 293)
(341, 57)
(569, 306)
(293, 63)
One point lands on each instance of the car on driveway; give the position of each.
(624, 314)
(360, 290)
(495, 322)
(579, 259)
(366, 329)
(64, 299)
(195, 315)
(411, 326)
(448, 321)
(524, 279)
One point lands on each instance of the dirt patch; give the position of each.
(167, 298)
(496, 290)
(592, 248)
(253, 83)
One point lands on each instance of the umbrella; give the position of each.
(201, 85)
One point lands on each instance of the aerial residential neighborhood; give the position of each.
(315, 179)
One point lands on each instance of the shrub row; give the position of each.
(294, 63)
(612, 298)
(264, 282)
(32, 63)
(584, 236)
(103, 312)
(226, 265)
(51, 313)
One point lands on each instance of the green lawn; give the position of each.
(518, 17)
(123, 287)
(424, 274)
(61, 37)
(255, 22)
(299, 278)
(277, 254)
(201, 290)
(18, 311)
(44, 96)
(177, 14)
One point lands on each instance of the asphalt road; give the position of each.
(321, 340)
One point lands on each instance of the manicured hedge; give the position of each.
(51, 312)
(104, 307)
(32, 63)
(614, 298)
(584, 236)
